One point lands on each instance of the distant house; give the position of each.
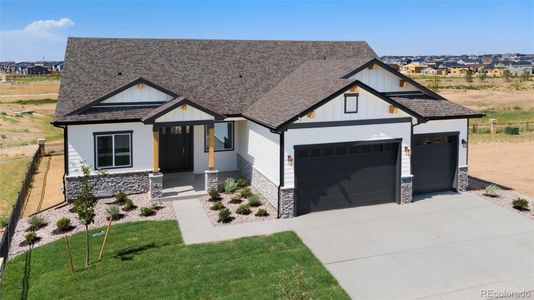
(412, 68)
(517, 68)
(429, 71)
(457, 70)
(37, 70)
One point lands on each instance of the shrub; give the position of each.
(129, 205)
(246, 192)
(491, 190)
(230, 185)
(3, 222)
(225, 216)
(217, 206)
(147, 211)
(243, 209)
(253, 200)
(114, 212)
(36, 223)
(214, 194)
(121, 197)
(31, 238)
(241, 182)
(262, 212)
(236, 200)
(520, 204)
(63, 224)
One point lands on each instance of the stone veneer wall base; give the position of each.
(258, 181)
(109, 184)
(211, 179)
(287, 202)
(463, 179)
(406, 190)
(155, 190)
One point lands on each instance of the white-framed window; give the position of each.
(113, 149)
(351, 103)
(223, 136)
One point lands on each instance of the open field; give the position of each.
(13, 171)
(142, 259)
(11, 91)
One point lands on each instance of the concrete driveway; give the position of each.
(448, 246)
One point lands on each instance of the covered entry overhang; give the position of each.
(172, 125)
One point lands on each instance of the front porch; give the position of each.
(187, 185)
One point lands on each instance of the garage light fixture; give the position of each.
(289, 160)
(464, 143)
(407, 150)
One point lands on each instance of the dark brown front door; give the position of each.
(175, 149)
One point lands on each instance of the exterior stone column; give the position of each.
(211, 179)
(463, 180)
(287, 202)
(155, 187)
(406, 190)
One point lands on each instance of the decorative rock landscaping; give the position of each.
(48, 233)
(242, 209)
(505, 198)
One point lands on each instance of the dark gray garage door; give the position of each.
(434, 160)
(332, 176)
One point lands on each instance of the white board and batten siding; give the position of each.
(81, 145)
(369, 107)
(188, 114)
(138, 94)
(382, 80)
(455, 125)
(261, 148)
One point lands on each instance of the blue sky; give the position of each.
(30, 30)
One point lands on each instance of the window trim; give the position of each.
(206, 134)
(112, 133)
(345, 102)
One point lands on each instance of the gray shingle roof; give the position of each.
(223, 75)
(435, 108)
(305, 87)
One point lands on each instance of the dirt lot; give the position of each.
(509, 164)
(12, 91)
(485, 99)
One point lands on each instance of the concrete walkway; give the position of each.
(448, 246)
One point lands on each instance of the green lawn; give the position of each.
(148, 260)
(504, 116)
(13, 170)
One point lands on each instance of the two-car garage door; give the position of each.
(331, 176)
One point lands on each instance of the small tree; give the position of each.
(506, 74)
(482, 75)
(525, 75)
(469, 76)
(84, 206)
(434, 84)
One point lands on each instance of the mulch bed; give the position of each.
(213, 215)
(47, 234)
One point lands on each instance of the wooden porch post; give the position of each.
(211, 149)
(155, 139)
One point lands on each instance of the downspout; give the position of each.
(281, 166)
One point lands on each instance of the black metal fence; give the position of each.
(9, 231)
(485, 128)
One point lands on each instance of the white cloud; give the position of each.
(43, 25)
(43, 38)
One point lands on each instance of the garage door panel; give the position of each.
(341, 176)
(434, 160)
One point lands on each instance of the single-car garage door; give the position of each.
(331, 176)
(434, 160)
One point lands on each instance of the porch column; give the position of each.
(155, 141)
(211, 176)
(155, 180)
(211, 148)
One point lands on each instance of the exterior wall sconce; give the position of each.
(289, 160)
(464, 143)
(407, 150)
(184, 107)
(140, 85)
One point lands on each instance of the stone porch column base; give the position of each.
(155, 186)
(406, 190)
(211, 179)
